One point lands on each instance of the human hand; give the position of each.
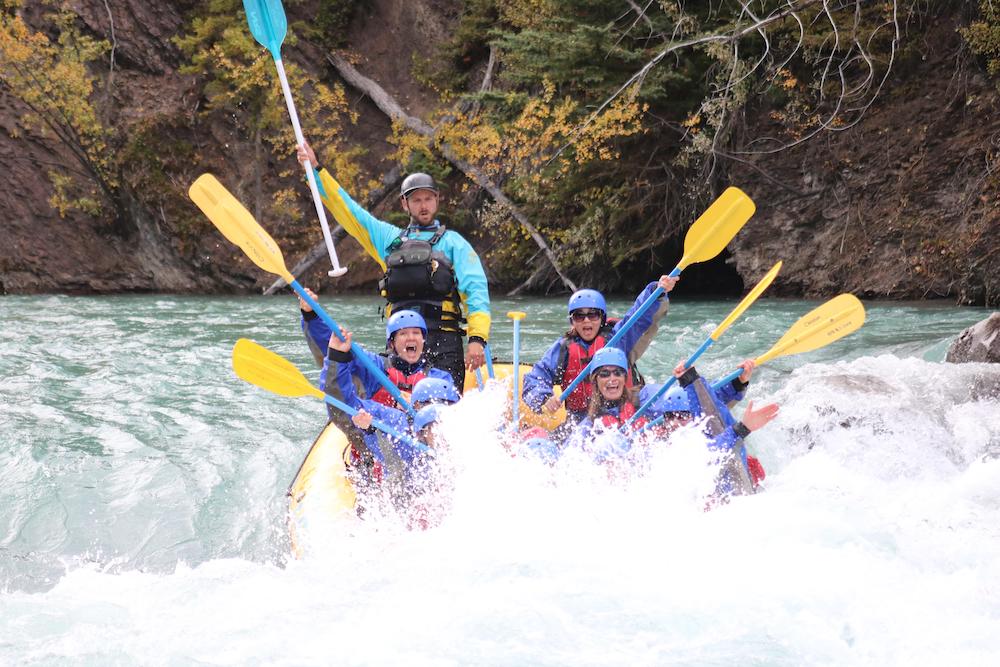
(475, 355)
(679, 370)
(303, 304)
(755, 419)
(552, 405)
(748, 366)
(667, 283)
(362, 420)
(341, 345)
(305, 152)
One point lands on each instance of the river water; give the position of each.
(142, 507)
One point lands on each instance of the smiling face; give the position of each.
(408, 344)
(422, 205)
(586, 322)
(610, 382)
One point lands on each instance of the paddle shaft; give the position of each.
(628, 324)
(359, 352)
(382, 426)
(489, 361)
(516, 395)
(310, 174)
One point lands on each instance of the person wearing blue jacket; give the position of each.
(413, 475)
(428, 268)
(740, 473)
(600, 431)
(589, 331)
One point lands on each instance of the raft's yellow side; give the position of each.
(322, 492)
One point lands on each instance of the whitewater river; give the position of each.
(142, 507)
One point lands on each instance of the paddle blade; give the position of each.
(747, 301)
(237, 224)
(259, 366)
(268, 24)
(821, 326)
(716, 227)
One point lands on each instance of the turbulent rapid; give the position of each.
(144, 506)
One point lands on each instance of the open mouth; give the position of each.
(410, 348)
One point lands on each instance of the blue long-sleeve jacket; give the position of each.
(537, 387)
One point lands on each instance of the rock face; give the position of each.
(980, 342)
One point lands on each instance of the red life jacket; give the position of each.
(574, 355)
(404, 382)
(625, 413)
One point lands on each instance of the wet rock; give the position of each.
(979, 343)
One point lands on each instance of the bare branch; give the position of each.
(391, 108)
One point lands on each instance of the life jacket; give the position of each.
(574, 355)
(625, 413)
(420, 278)
(404, 382)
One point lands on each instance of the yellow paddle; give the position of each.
(239, 226)
(261, 367)
(712, 337)
(710, 233)
(821, 326)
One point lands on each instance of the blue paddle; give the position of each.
(712, 337)
(517, 316)
(268, 370)
(239, 226)
(706, 238)
(268, 26)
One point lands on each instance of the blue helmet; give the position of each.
(609, 356)
(427, 415)
(430, 390)
(675, 400)
(403, 319)
(543, 448)
(587, 298)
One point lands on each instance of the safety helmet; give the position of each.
(417, 181)
(427, 415)
(675, 400)
(587, 298)
(403, 319)
(434, 389)
(609, 356)
(543, 448)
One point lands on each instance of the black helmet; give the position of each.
(417, 181)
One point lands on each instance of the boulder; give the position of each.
(980, 342)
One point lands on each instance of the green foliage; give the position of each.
(52, 80)
(332, 21)
(983, 35)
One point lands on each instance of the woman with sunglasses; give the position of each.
(589, 331)
(612, 404)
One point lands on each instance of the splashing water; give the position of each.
(144, 506)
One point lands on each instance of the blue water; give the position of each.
(143, 506)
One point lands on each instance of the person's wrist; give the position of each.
(333, 354)
(689, 376)
(741, 429)
(477, 339)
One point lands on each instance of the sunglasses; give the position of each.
(581, 315)
(605, 373)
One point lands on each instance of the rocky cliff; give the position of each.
(904, 204)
